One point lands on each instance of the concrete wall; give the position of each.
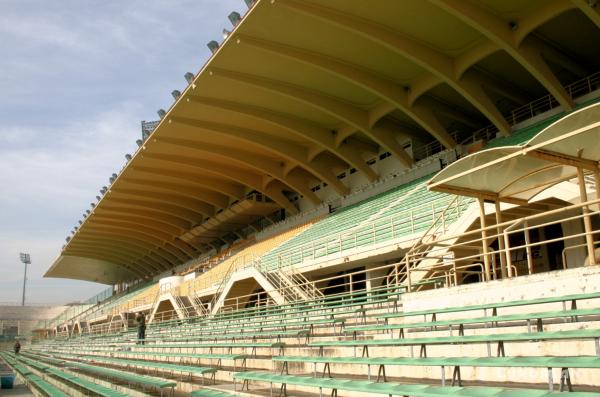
(562, 282)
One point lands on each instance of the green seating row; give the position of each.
(31, 378)
(147, 381)
(397, 389)
(47, 388)
(86, 384)
(444, 340)
(344, 219)
(562, 362)
(480, 320)
(191, 370)
(494, 306)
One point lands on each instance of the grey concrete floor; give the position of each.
(19, 390)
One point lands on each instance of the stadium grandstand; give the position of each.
(355, 198)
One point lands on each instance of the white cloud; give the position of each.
(76, 78)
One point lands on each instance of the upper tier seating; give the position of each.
(403, 211)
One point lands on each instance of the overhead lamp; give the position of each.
(189, 77)
(80, 222)
(226, 33)
(213, 46)
(68, 238)
(104, 189)
(98, 198)
(128, 157)
(250, 3)
(88, 212)
(92, 205)
(234, 18)
(114, 175)
(161, 113)
(111, 180)
(176, 94)
(139, 142)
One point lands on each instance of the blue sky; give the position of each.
(76, 78)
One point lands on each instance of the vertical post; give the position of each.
(24, 284)
(597, 186)
(503, 253)
(484, 242)
(528, 248)
(587, 221)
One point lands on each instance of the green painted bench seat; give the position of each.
(144, 380)
(519, 361)
(444, 340)
(494, 306)
(397, 389)
(86, 384)
(47, 388)
(564, 363)
(481, 320)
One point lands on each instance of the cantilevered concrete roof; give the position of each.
(518, 173)
(302, 91)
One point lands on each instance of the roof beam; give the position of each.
(593, 13)
(544, 12)
(114, 259)
(437, 63)
(352, 116)
(209, 181)
(146, 213)
(168, 198)
(168, 246)
(141, 220)
(122, 245)
(320, 136)
(211, 197)
(236, 174)
(291, 152)
(163, 236)
(134, 226)
(563, 159)
(498, 31)
(126, 258)
(149, 252)
(485, 195)
(169, 209)
(130, 240)
(368, 80)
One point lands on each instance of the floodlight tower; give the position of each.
(26, 260)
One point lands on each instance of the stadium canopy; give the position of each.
(518, 173)
(302, 93)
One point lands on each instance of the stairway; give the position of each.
(411, 272)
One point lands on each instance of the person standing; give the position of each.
(140, 320)
(17, 347)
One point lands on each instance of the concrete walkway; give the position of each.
(19, 390)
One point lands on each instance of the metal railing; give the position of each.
(522, 252)
(546, 103)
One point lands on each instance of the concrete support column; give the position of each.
(587, 221)
(484, 239)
